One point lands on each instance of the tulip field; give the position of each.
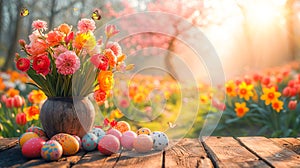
(259, 103)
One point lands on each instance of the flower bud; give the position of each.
(292, 104)
(21, 119)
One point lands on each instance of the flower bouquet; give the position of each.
(68, 66)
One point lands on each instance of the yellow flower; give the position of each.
(36, 96)
(32, 113)
(204, 99)
(230, 88)
(106, 80)
(116, 114)
(85, 40)
(269, 95)
(241, 109)
(139, 97)
(245, 91)
(277, 105)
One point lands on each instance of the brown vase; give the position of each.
(67, 115)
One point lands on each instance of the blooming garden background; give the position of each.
(257, 43)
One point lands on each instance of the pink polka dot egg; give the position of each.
(89, 142)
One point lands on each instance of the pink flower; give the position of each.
(100, 61)
(111, 30)
(39, 24)
(124, 103)
(41, 64)
(69, 37)
(36, 47)
(58, 50)
(85, 25)
(115, 47)
(67, 63)
(23, 64)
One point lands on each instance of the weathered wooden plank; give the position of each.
(6, 143)
(152, 159)
(12, 157)
(96, 159)
(290, 143)
(295, 144)
(227, 152)
(270, 152)
(187, 153)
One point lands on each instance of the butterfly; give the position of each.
(96, 14)
(75, 9)
(24, 12)
(171, 125)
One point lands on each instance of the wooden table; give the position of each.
(212, 152)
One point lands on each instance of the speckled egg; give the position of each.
(160, 140)
(143, 143)
(127, 139)
(51, 150)
(108, 145)
(98, 132)
(32, 148)
(115, 133)
(89, 142)
(37, 130)
(69, 143)
(122, 126)
(146, 131)
(27, 136)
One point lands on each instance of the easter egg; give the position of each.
(127, 139)
(69, 143)
(27, 136)
(98, 132)
(32, 148)
(143, 143)
(108, 145)
(122, 126)
(115, 133)
(51, 150)
(160, 140)
(89, 142)
(37, 130)
(146, 131)
(78, 139)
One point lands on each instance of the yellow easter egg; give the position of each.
(69, 144)
(27, 136)
(146, 131)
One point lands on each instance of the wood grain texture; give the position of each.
(227, 152)
(187, 153)
(6, 143)
(152, 159)
(96, 159)
(272, 153)
(290, 143)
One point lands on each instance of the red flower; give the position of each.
(292, 105)
(266, 81)
(100, 96)
(69, 37)
(23, 64)
(41, 64)
(16, 101)
(21, 119)
(100, 61)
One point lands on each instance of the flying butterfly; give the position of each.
(24, 12)
(171, 125)
(75, 9)
(96, 14)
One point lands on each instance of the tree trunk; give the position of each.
(290, 27)
(14, 40)
(1, 18)
(52, 14)
(168, 61)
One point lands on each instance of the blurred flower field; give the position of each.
(260, 103)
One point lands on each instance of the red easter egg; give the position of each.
(32, 148)
(115, 133)
(108, 145)
(127, 139)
